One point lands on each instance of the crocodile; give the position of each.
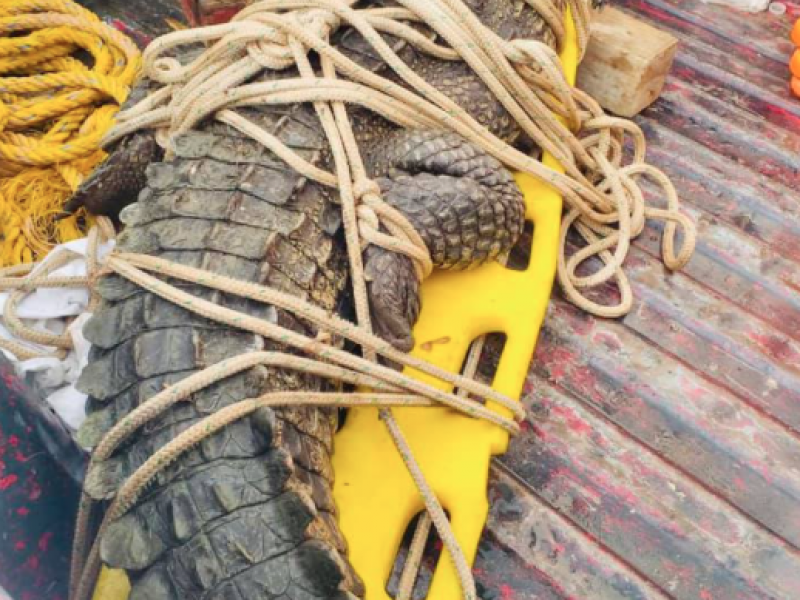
(249, 512)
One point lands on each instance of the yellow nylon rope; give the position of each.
(54, 111)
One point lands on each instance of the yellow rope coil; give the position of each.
(54, 112)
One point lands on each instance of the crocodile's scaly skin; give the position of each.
(249, 512)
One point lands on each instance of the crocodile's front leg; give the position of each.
(464, 204)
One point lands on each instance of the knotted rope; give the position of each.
(605, 204)
(54, 112)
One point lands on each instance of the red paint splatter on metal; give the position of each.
(10, 380)
(557, 550)
(32, 563)
(572, 419)
(7, 481)
(540, 433)
(608, 340)
(44, 540)
(778, 347)
(561, 358)
(34, 491)
(507, 592)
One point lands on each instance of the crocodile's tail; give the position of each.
(249, 512)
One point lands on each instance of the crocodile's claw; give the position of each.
(393, 290)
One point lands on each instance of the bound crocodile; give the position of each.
(249, 512)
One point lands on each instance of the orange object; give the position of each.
(794, 64)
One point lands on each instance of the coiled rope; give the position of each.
(54, 112)
(605, 207)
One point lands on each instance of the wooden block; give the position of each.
(626, 63)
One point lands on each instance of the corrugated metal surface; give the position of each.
(662, 454)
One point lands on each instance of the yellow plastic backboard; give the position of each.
(374, 493)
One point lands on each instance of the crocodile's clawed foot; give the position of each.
(464, 204)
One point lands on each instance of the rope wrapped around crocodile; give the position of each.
(402, 178)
